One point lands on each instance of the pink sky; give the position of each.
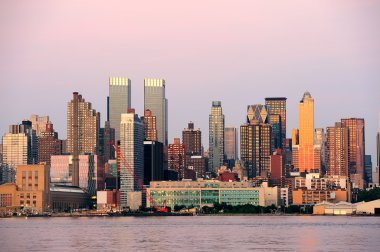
(238, 52)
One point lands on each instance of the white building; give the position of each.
(132, 155)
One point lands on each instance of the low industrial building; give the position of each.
(346, 208)
(67, 198)
(207, 192)
(31, 190)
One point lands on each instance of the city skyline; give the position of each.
(333, 53)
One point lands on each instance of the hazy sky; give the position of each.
(238, 52)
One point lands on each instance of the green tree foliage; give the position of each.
(370, 195)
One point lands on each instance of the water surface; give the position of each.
(191, 233)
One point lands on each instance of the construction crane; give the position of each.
(140, 184)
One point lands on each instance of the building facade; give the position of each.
(277, 106)
(306, 155)
(216, 136)
(83, 124)
(132, 155)
(192, 142)
(231, 143)
(204, 193)
(155, 100)
(119, 101)
(255, 149)
(176, 158)
(356, 131)
(150, 126)
(20, 145)
(91, 172)
(153, 161)
(48, 144)
(338, 150)
(39, 123)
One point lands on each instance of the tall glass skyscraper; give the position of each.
(277, 106)
(216, 136)
(132, 154)
(119, 101)
(155, 101)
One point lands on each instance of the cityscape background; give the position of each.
(238, 53)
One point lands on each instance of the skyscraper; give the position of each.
(306, 149)
(48, 144)
(357, 145)
(192, 141)
(275, 122)
(216, 136)
(83, 125)
(231, 143)
(119, 101)
(255, 148)
(106, 142)
(150, 126)
(337, 150)
(277, 106)
(132, 154)
(156, 102)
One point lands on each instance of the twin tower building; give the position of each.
(125, 130)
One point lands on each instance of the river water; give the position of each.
(191, 233)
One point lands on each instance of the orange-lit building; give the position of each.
(30, 191)
(306, 156)
(303, 196)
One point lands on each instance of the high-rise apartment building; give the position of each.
(231, 143)
(48, 144)
(83, 125)
(176, 158)
(192, 141)
(119, 101)
(156, 102)
(39, 123)
(255, 148)
(216, 136)
(150, 126)
(306, 153)
(20, 145)
(357, 144)
(337, 150)
(277, 106)
(131, 153)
